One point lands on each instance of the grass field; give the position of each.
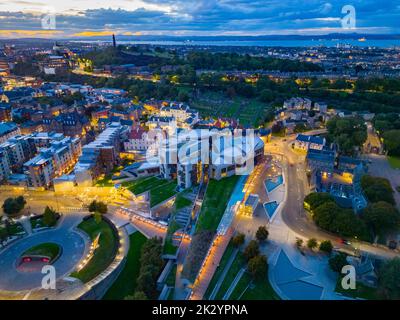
(258, 290)
(48, 249)
(160, 189)
(215, 202)
(214, 104)
(361, 291)
(394, 162)
(104, 254)
(162, 193)
(141, 185)
(125, 284)
(237, 264)
(181, 202)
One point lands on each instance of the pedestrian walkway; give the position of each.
(210, 264)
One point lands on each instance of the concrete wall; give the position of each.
(100, 285)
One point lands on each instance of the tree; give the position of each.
(138, 295)
(392, 142)
(151, 264)
(238, 239)
(251, 250)
(3, 235)
(315, 199)
(98, 206)
(312, 243)
(13, 206)
(347, 133)
(331, 217)
(257, 266)
(326, 246)
(381, 217)
(377, 189)
(97, 217)
(389, 279)
(49, 217)
(299, 243)
(262, 234)
(337, 262)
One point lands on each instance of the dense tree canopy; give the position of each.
(13, 206)
(347, 133)
(151, 264)
(389, 279)
(345, 222)
(382, 217)
(377, 189)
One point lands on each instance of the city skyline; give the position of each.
(193, 18)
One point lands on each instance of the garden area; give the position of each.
(46, 220)
(125, 284)
(104, 254)
(10, 229)
(48, 249)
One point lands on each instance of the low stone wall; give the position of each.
(98, 287)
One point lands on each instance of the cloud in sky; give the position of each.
(197, 17)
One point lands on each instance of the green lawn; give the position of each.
(362, 291)
(215, 202)
(162, 193)
(48, 249)
(104, 254)
(169, 248)
(160, 189)
(241, 286)
(125, 284)
(224, 260)
(394, 162)
(170, 281)
(144, 184)
(181, 202)
(237, 264)
(258, 290)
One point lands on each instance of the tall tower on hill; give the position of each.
(114, 41)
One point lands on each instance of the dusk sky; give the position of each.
(76, 18)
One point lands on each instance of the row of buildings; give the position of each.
(35, 160)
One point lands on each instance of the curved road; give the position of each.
(73, 248)
(293, 213)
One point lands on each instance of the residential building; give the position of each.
(8, 130)
(52, 162)
(306, 142)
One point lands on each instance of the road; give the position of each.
(73, 248)
(293, 214)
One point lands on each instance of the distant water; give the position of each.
(273, 43)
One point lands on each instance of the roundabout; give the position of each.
(35, 258)
(61, 247)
